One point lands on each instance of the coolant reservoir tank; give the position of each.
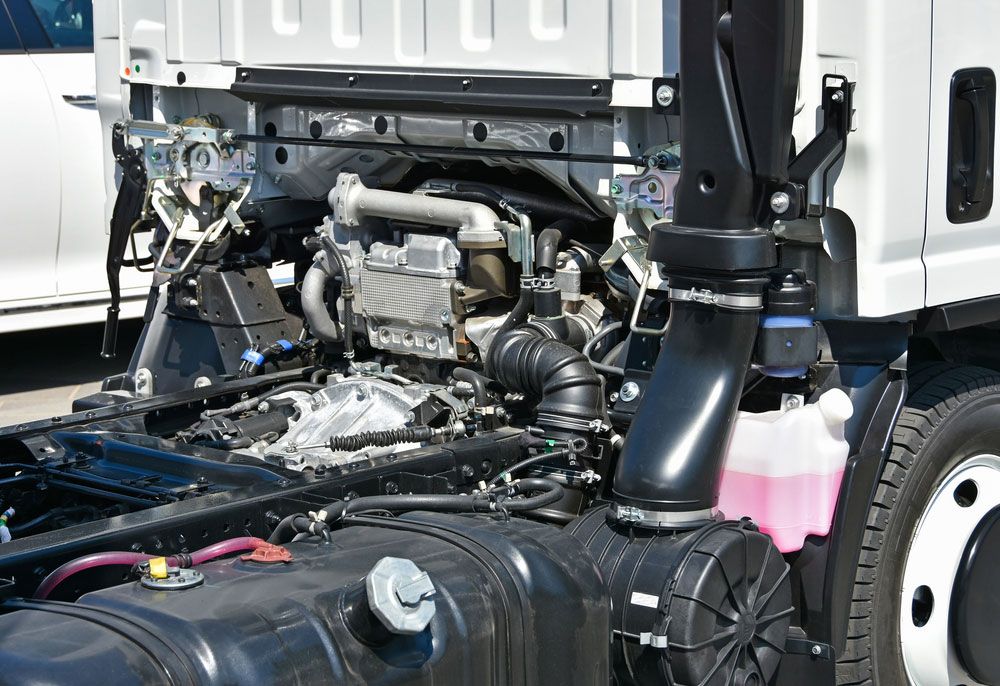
(784, 468)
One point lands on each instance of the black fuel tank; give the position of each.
(516, 603)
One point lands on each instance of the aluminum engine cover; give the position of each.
(346, 407)
(406, 296)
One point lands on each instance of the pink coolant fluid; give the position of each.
(784, 468)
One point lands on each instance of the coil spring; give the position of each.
(365, 439)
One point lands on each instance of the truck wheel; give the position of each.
(926, 604)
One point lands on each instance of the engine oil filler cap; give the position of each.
(159, 576)
(399, 594)
(268, 554)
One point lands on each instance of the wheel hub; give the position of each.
(950, 601)
(975, 604)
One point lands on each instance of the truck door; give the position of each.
(66, 64)
(962, 246)
(30, 176)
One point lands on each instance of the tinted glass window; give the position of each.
(8, 39)
(26, 23)
(67, 23)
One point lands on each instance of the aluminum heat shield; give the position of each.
(346, 407)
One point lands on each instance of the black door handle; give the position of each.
(971, 133)
(975, 173)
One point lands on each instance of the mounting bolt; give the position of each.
(816, 650)
(445, 316)
(629, 392)
(613, 397)
(837, 96)
(616, 188)
(665, 96)
(780, 202)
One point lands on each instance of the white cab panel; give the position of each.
(885, 46)
(583, 38)
(963, 260)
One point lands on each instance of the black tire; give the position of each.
(952, 413)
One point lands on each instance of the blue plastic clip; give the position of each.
(252, 357)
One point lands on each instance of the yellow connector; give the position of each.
(158, 568)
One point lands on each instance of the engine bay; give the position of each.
(477, 318)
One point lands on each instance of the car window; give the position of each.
(8, 38)
(67, 23)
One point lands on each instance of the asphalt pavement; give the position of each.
(41, 372)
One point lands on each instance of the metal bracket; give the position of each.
(177, 216)
(193, 153)
(803, 646)
(652, 190)
(144, 383)
(633, 323)
(806, 191)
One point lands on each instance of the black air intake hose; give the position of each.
(518, 315)
(546, 250)
(562, 329)
(570, 390)
(674, 452)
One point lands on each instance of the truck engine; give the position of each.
(574, 376)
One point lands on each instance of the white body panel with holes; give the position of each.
(890, 183)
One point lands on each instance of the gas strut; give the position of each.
(451, 151)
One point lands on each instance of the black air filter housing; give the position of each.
(710, 606)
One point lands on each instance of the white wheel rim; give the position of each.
(932, 561)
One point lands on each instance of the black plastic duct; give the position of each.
(674, 451)
(570, 390)
(741, 59)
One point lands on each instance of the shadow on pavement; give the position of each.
(45, 370)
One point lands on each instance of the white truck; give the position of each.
(52, 223)
(630, 341)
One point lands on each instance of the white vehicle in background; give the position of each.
(52, 229)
